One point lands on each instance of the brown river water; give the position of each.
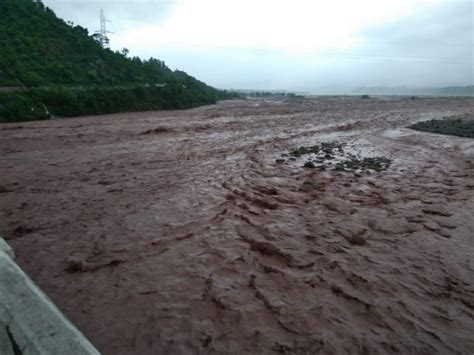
(176, 231)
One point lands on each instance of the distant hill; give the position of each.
(401, 90)
(39, 51)
(253, 92)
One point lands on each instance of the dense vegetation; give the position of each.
(44, 103)
(64, 71)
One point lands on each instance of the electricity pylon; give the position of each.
(102, 34)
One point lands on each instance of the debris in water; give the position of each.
(332, 154)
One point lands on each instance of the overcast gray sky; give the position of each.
(307, 45)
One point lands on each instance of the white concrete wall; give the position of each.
(29, 322)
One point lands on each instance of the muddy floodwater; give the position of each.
(178, 232)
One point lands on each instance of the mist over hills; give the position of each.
(402, 90)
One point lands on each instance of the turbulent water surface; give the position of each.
(177, 231)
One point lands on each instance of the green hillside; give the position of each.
(64, 71)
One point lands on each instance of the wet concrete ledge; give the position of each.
(29, 321)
